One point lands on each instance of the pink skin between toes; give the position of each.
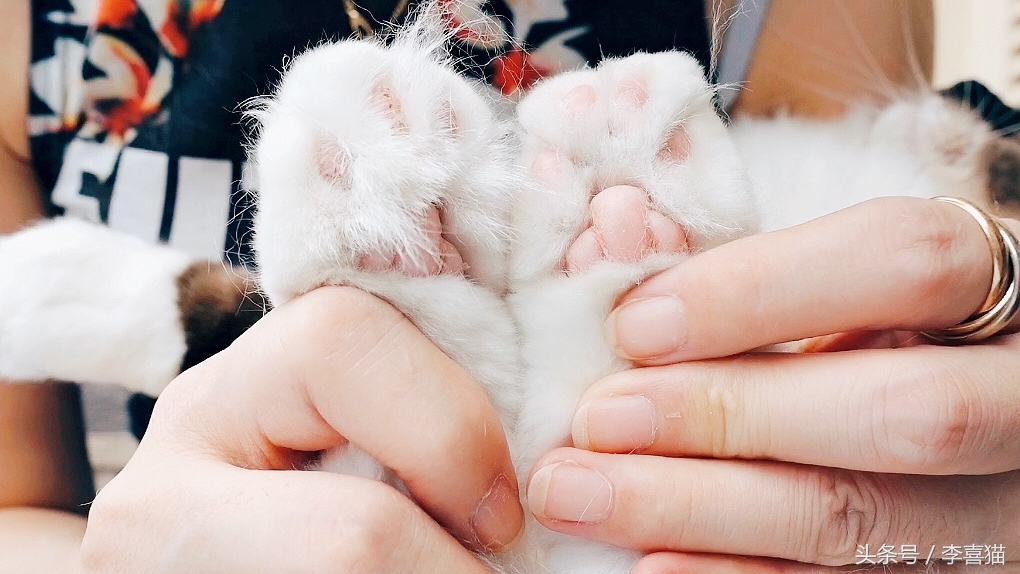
(436, 258)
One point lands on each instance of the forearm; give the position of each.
(19, 197)
(43, 462)
(19, 200)
(42, 468)
(34, 540)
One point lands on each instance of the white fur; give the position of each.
(921, 146)
(80, 302)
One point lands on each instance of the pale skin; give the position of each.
(212, 474)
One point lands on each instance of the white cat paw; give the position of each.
(629, 159)
(389, 160)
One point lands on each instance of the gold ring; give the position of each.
(1003, 300)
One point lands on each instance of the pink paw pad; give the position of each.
(580, 99)
(547, 167)
(333, 163)
(677, 147)
(390, 107)
(624, 228)
(632, 93)
(438, 257)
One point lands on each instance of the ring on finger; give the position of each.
(1003, 300)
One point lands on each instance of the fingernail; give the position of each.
(616, 424)
(647, 328)
(498, 520)
(569, 492)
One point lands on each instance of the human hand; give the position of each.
(215, 485)
(917, 445)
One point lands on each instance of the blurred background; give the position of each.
(110, 444)
(979, 40)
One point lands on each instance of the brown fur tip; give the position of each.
(1002, 160)
(217, 304)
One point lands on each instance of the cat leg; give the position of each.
(947, 139)
(81, 302)
(632, 170)
(971, 160)
(382, 169)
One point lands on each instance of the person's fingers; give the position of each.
(890, 263)
(903, 559)
(256, 522)
(339, 364)
(924, 409)
(802, 513)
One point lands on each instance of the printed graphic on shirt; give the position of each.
(135, 111)
(513, 64)
(115, 65)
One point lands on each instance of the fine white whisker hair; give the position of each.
(921, 79)
(886, 86)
